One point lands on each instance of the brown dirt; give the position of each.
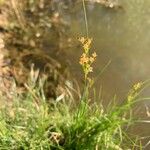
(19, 50)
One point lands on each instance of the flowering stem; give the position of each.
(85, 17)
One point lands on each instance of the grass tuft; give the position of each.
(30, 122)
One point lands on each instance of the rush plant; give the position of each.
(30, 122)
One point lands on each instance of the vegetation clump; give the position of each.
(29, 122)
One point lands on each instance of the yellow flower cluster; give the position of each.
(86, 43)
(84, 59)
(134, 92)
(87, 59)
(137, 86)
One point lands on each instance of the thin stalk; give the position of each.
(85, 18)
(86, 92)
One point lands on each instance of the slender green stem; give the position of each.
(85, 93)
(85, 17)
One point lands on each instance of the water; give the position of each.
(121, 36)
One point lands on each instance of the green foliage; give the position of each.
(32, 123)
